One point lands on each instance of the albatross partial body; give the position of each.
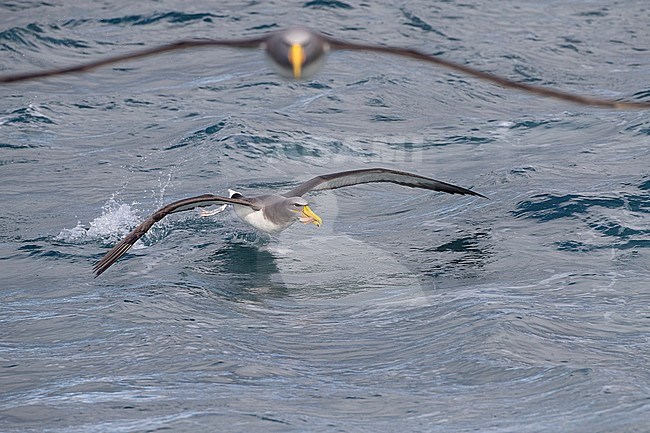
(276, 213)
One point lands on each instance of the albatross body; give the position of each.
(276, 213)
(273, 213)
(299, 52)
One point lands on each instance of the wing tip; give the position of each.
(112, 256)
(478, 194)
(102, 266)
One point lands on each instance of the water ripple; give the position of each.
(32, 33)
(171, 17)
(327, 4)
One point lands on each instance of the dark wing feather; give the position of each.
(178, 206)
(174, 46)
(356, 177)
(418, 55)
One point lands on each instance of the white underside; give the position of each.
(256, 219)
(252, 217)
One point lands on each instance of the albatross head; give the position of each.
(304, 214)
(298, 52)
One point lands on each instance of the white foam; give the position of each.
(113, 224)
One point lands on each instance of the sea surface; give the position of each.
(408, 310)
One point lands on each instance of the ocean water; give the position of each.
(408, 310)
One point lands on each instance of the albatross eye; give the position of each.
(297, 205)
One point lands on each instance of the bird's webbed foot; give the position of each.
(209, 213)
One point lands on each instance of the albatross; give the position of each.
(299, 52)
(273, 213)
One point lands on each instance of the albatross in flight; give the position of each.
(299, 52)
(274, 213)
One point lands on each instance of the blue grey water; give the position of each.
(408, 310)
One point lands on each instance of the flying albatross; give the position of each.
(274, 213)
(299, 52)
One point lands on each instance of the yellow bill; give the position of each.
(308, 216)
(297, 59)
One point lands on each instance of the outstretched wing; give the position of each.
(323, 44)
(356, 177)
(178, 206)
(544, 91)
(174, 46)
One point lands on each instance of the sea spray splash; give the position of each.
(113, 224)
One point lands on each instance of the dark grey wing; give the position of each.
(356, 177)
(178, 206)
(174, 46)
(544, 91)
